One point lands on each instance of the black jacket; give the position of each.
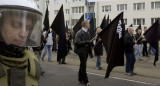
(128, 43)
(82, 44)
(98, 49)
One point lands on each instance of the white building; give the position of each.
(135, 11)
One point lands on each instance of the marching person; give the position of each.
(98, 49)
(82, 41)
(129, 51)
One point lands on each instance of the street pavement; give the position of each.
(67, 75)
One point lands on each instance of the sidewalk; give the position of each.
(142, 68)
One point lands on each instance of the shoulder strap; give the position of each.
(34, 67)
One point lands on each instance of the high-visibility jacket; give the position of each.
(23, 71)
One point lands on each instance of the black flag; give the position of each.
(46, 20)
(112, 38)
(131, 25)
(66, 27)
(103, 23)
(92, 29)
(78, 26)
(139, 27)
(127, 28)
(58, 26)
(107, 21)
(152, 37)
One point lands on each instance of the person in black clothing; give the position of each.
(145, 52)
(129, 51)
(82, 41)
(98, 49)
(139, 45)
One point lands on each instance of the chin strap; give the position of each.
(11, 50)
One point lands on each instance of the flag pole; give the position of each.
(93, 38)
(44, 38)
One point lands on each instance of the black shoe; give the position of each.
(42, 73)
(59, 62)
(63, 63)
(43, 60)
(81, 82)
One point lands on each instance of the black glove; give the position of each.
(44, 41)
(91, 55)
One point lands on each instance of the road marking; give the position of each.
(122, 79)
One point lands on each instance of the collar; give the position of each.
(85, 30)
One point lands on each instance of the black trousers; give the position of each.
(145, 52)
(82, 69)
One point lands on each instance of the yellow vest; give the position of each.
(23, 71)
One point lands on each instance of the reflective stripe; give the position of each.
(38, 69)
(17, 77)
(2, 72)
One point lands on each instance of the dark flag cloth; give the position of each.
(46, 20)
(58, 26)
(126, 31)
(103, 23)
(92, 29)
(152, 37)
(139, 27)
(107, 21)
(112, 39)
(131, 25)
(66, 28)
(78, 26)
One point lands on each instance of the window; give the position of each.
(67, 1)
(139, 6)
(67, 22)
(67, 11)
(91, 9)
(155, 5)
(55, 12)
(106, 8)
(125, 21)
(121, 7)
(56, 1)
(47, 3)
(74, 21)
(153, 20)
(139, 21)
(77, 9)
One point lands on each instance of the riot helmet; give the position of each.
(20, 23)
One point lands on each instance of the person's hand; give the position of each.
(99, 39)
(135, 42)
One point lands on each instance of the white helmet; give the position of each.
(20, 23)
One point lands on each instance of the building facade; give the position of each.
(144, 12)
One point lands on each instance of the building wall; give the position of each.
(129, 14)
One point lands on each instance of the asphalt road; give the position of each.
(67, 75)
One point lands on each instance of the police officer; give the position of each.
(20, 27)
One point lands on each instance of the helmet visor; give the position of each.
(20, 27)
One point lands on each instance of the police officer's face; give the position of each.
(16, 29)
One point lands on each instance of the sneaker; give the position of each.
(133, 73)
(50, 61)
(88, 84)
(141, 60)
(128, 74)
